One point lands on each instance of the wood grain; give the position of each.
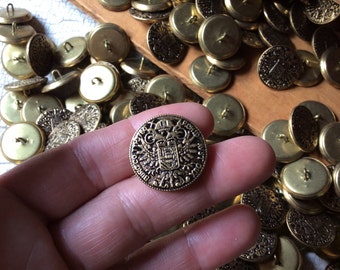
(263, 104)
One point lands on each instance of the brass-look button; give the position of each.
(108, 42)
(37, 104)
(329, 142)
(324, 37)
(276, 133)
(145, 101)
(185, 21)
(272, 37)
(16, 34)
(235, 62)
(13, 60)
(228, 113)
(208, 76)
(149, 17)
(99, 82)
(219, 36)
(10, 14)
(306, 178)
(167, 87)
(22, 141)
(115, 5)
(311, 74)
(10, 107)
(140, 67)
(321, 113)
(287, 256)
(336, 179)
(209, 8)
(26, 84)
(120, 111)
(247, 11)
(275, 18)
(330, 66)
(87, 116)
(73, 102)
(71, 52)
(151, 5)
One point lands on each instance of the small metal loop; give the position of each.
(107, 45)
(10, 5)
(19, 104)
(41, 108)
(283, 137)
(21, 59)
(21, 140)
(96, 80)
(56, 75)
(67, 46)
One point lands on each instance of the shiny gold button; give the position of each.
(306, 178)
(228, 113)
(185, 22)
(13, 59)
(10, 107)
(37, 104)
(71, 52)
(167, 87)
(139, 66)
(16, 34)
(120, 111)
(99, 82)
(26, 84)
(108, 42)
(276, 133)
(329, 142)
(219, 36)
(151, 5)
(22, 141)
(330, 66)
(208, 76)
(10, 14)
(115, 5)
(73, 102)
(247, 11)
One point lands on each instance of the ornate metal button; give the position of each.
(168, 153)
(87, 116)
(52, 117)
(145, 101)
(27, 84)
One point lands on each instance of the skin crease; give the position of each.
(79, 206)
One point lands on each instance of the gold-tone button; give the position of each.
(99, 82)
(167, 87)
(37, 104)
(71, 52)
(120, 111)
(236, 62)
(228, 113)
(73, 102)
(16, 34)
(13, 59)
(140, 67)
(208, 76)
(10, 14)
(277, 135)
(151, 5)
(219, 36)
(336, 179)
(329, 142)
(306, 178)
(108, 42)
(247, 11)
(10, 107)
(115, 5)
(26, 84)
(22, 141)
(185, 22)
(311, 74)
(330, 66)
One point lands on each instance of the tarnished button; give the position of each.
(13, 60)
(108, 42)
(10, 14)
(248, 10)
(311, 74)
(336, 179)
(120, 111)
(219, 36)
(274, 17)
(208, 76)
(276, 133)
(228, 113)
(269, 206)
(71, 52)
(115, 5)
(330, 66)
(185, 21)
(278, 67)
(272, 37)
(26, 84)
(168, 153)
(10, 107)
(324, 37)
(331, 200)
(287, 256)
(321, 113)
(40, 54)
(151, 5)
(139, 66)
(37, 104)
(16, 34)
(264, 248)
(145, 101)
(21, 141)
(51, 117)
(63, 133)
(99, 82)
(167, 87)
(329, 142)
(87, 116)
(209, 8)
(253, 39)
(303, 128)
(314, 231)
(164, 44)
(322, 11)
(306, 178)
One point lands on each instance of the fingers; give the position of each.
(205, 245)
(56, 182)
(92, 235)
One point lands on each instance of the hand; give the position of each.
(80, 206)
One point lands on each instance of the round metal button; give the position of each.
(26, 84)
(10, 107)
(21, 141)
(306, 178)
(329, 142)
(115, 5)
(120, 111)
(16, 34)
(330, 66)
(168, 153)
(10, 14)
(139, 66)
(151, 5)
(336, 179)
(247, 11)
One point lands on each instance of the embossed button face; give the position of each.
(248, 10)
(145, 101)
(87, 116)
(322, 11)
(168, 153)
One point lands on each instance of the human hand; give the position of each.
(79, 206)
